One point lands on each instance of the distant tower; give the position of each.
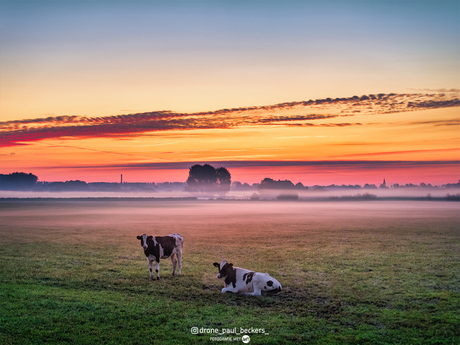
(384, 183)
(121, 180)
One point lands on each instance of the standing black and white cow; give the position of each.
(162, 247)
(240, 280)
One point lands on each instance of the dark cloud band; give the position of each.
(342, 164)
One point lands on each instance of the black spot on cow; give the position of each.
(230, 274)
(152, 249)
(168, 243)
(270, 283)
(247, 277)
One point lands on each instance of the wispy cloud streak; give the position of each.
(342, 164)
(406, 152)
(282, 114)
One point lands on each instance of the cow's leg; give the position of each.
(174, 263)
(229, 288)
(258, 286)
(157, 269)
(179, 259)
(151, 269)
(257, 292)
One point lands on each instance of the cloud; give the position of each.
(437, 90)
(432, 104)
(454, 122)
(342, 164)
(373, 154)
(94, 150)
(301, 114)
(323, 124)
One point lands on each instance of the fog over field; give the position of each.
(217, 229)
(307, 194)
(385, 271)
(205, 218)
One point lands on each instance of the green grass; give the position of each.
(72, 272)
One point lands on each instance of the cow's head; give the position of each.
(224, 268)
(144, 239)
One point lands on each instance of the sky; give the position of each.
(318, 92)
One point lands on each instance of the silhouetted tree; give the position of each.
(370, 186)
(76, 185)
(453, 185)
(268, 183)
(205, 178)
(300, 185)
(18, 181)
(224, 179)
(454, 197)
(238, 186)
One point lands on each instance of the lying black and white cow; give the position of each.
(240, 280)
(162, 247)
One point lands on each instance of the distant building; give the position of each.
(383, 185)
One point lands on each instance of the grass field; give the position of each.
(377, 272)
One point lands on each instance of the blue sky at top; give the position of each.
(205, 55)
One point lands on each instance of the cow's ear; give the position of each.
(216, 264)
(139, 238)
(149, 237)
(230, 265)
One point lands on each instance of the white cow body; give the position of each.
(241, 280)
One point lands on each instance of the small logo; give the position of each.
(246, 339)
(194, 330)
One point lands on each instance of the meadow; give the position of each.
(358, 272)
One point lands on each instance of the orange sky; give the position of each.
(91, 90)
(403, 138)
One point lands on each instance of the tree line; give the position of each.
(18, 181)
(201, 179)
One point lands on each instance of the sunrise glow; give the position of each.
(348, 94)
